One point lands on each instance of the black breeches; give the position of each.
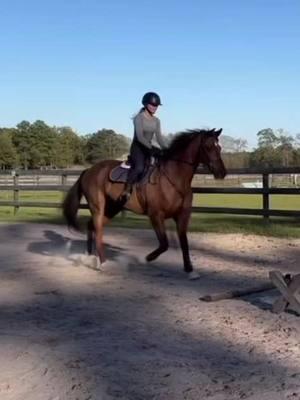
(139, 156)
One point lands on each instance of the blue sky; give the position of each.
(85, 63)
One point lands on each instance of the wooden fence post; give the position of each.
(16, 191)
(266, 203)
(64, 178)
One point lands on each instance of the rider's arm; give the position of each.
(139, 131)
(160, 140)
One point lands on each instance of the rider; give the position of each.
(145, 126)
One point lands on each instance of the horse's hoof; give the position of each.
(89, 261)
(68, 246)
(95, 262)
(154, 255)
(67, 249)
(192, 276)
(150, 257)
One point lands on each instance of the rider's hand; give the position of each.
(155, 151)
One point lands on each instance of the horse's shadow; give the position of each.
(54, 244)
(59, 245)
(64, 246)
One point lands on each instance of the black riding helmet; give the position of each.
(151, 98)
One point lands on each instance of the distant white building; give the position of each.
(257, 184)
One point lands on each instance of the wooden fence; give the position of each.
(33, 180)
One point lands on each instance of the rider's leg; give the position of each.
(138, 158)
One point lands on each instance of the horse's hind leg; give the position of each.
(160, 230)
(98, 222)
(111, 209)
(90, 237)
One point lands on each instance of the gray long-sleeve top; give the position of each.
(145, 128)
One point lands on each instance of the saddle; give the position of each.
(120, 173)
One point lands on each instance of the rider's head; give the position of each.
(151, 101)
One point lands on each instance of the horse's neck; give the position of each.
(182, 166)
(180, 172)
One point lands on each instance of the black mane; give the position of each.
(182, 139)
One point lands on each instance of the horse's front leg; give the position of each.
(182, 222)
(158, 224)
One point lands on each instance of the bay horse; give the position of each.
(167, 194)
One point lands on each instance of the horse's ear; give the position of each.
(218, 132)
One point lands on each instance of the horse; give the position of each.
(165, 194)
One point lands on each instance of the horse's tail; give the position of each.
(71, 204)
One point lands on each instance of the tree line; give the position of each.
(275, 148)
(38, 145)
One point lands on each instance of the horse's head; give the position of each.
(197, 146)
(210, 153)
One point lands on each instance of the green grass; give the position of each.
(279, 227)
(280, 202)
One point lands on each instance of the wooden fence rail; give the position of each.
(16, 185)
